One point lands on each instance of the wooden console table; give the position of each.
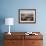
(20, 39)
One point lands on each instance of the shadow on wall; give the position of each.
(2, 21)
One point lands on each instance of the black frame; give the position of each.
(27, 10)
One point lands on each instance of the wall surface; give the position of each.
(9, 8)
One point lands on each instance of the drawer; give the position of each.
(13, 43)
(19, 42)
(33, 37)
(9, 43)
(37, 43)
(16, 37)
(33, 43)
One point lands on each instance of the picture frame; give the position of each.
(27, 15)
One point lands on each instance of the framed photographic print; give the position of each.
(27, 15)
